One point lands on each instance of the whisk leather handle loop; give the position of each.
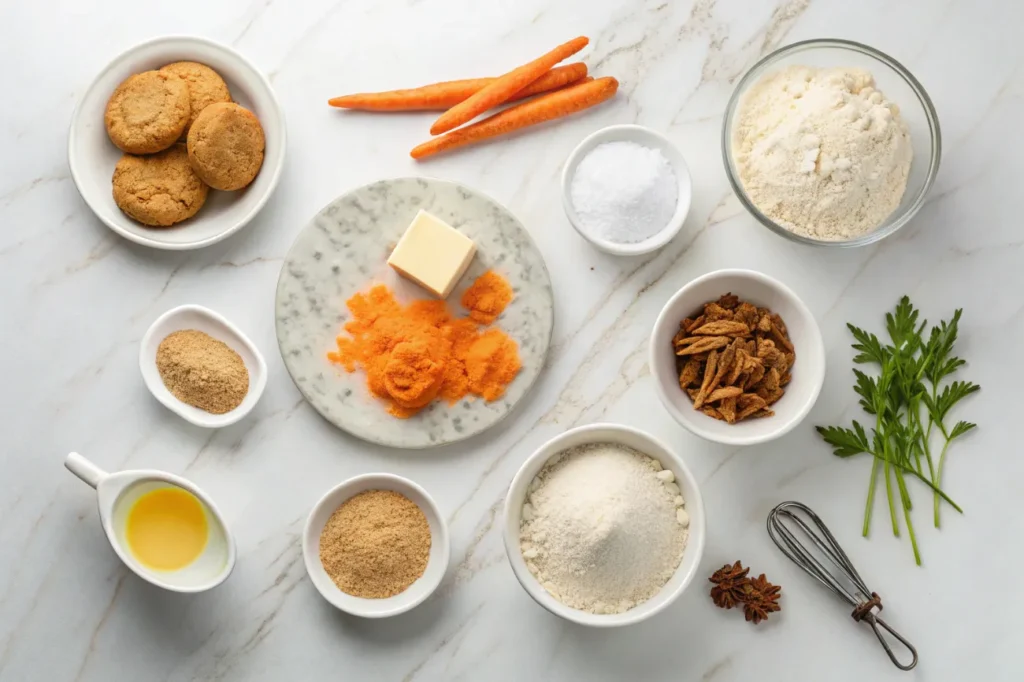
(863, 609)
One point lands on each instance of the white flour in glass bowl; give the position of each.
(821, 151)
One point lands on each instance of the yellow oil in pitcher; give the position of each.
(166, 529)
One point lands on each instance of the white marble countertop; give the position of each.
(77, 299)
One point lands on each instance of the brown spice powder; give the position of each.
(375, 544)
(202, 371)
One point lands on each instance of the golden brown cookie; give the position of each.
(225, 146)
(205, 86)
(147, 112)
(160, 189)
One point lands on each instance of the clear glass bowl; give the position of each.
(898, 85)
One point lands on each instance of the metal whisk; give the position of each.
(847, 583)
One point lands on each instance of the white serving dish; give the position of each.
(415, 594)
(92, 156)
(647, 138)
(642, 442)
(761, 290)
(115, 495)
(204, 320)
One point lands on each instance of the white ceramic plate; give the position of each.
(344, 251)
(762, 291)
(646, 138)
(648, 445)
(204, 320)
(415, 594)
(92, 156)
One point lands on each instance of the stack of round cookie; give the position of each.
(160, 181)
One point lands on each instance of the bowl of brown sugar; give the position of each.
(202, 367)
(376, 545)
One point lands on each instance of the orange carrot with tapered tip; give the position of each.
(538, 110)
(445, 95)
(505, 87)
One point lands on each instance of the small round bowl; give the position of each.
(762, 291)
(647, 138)
(899, 86)
(205, 320)
(648, 445)
(415, 594)
(92, 156)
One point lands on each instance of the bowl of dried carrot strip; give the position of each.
(737, 357)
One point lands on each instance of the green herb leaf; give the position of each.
(948, 367)
(960, 428)
(950, 396)
(845, 442)
(866, 388)
(902, 325)
(940, 345)
(869, 347)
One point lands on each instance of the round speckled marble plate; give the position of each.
(344, 251)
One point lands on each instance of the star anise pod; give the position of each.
(723, 599)
(729, 583)
(759, 598)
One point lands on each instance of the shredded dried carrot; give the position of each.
(492, 362)
(415, 354)
(487, 297)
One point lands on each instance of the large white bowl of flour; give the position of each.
(642, 443)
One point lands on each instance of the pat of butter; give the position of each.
(433, 254)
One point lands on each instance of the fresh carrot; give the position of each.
(555, 79)
(538, 110)
(502, 89)
(443, 96)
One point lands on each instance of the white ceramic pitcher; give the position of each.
(117, 492)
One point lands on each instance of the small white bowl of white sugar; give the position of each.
(617, 502)
(626, 189)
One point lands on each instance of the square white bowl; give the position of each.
(648, 445)
(763, 291)
(92, 156)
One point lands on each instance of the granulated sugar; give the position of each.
(624, 192)
(603, 528)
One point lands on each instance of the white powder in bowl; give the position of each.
(822, 152)
(624, 192)
(604, 527)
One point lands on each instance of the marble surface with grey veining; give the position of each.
(77, 299)
(344, 251)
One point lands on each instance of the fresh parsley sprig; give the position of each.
(908, 400)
